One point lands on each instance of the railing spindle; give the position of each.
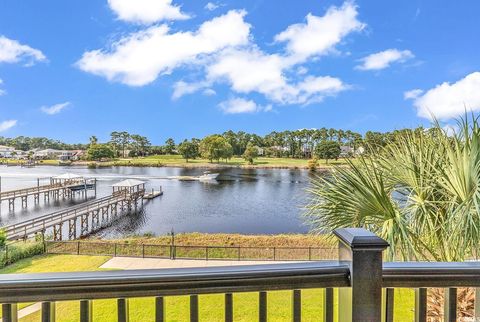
(328, 304)
(450, 305)
(9, 313)
(296, 305)
(48, 311)
(86, 312)
(476, 314)
(122, 310)
(229, 307)
(421, 305)
(159, 309)
(262, 306)
(389, 304)
(194, 308)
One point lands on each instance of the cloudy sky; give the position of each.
(161, 68)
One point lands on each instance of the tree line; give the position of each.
(304, 143)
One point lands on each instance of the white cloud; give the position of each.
(181, 88)
(209, 92)
(320, 35)
(302, 70)
(2, 91)
(6, 125)
(211, 6)
(384, 59)
(449, 100)
(11, 51)
(252, 70)
(141, 57)
(146, 11)
(240, 105)
(54, 109)
(412, 94)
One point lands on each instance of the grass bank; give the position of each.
(178, 161)
(203, 239)
(262, 163)
(177, 307)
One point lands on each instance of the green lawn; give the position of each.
(177, 160)
(177, 308)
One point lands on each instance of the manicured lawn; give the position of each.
(177, 308)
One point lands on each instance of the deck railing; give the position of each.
(365, 285)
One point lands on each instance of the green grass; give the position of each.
(178, 161)
(177, 307)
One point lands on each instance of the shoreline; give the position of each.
(206, 166)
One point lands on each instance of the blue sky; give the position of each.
(181, 69)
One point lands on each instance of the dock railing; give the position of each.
(365, 285)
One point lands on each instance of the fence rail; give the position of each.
(239, 253)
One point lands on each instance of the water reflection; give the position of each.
(247, 201)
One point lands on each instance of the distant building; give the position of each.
(47, 154)
(260, 151)
(6, 151)
(346, 151)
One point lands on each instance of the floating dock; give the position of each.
(153, 194)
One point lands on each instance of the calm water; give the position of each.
(244, 201)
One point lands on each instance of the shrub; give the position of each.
(312, 164)
(3, 238)
(15, 252)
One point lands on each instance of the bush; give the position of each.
(312, 164)
(15, 252)
(3, 238)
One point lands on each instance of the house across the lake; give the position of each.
(6, 151)
(62, 155)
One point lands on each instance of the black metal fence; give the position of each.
(239, 253)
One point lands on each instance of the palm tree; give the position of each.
(421, 193)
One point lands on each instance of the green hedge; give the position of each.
(12, 253)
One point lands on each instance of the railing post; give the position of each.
(194, 308)
(159, 309)
(10, 313)
(122, 310)
(450, 305)
(362, 251)
(228, 307)
(48, 311)
(477, 304)
(328, 305)
(296, 306)
(262, 306)
(86, 311)
(421, 305)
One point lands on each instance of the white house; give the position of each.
(48, 154)
(6, 151)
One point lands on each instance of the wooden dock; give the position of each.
(56, 189)
(86, 217)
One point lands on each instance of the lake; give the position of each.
(246, 201)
